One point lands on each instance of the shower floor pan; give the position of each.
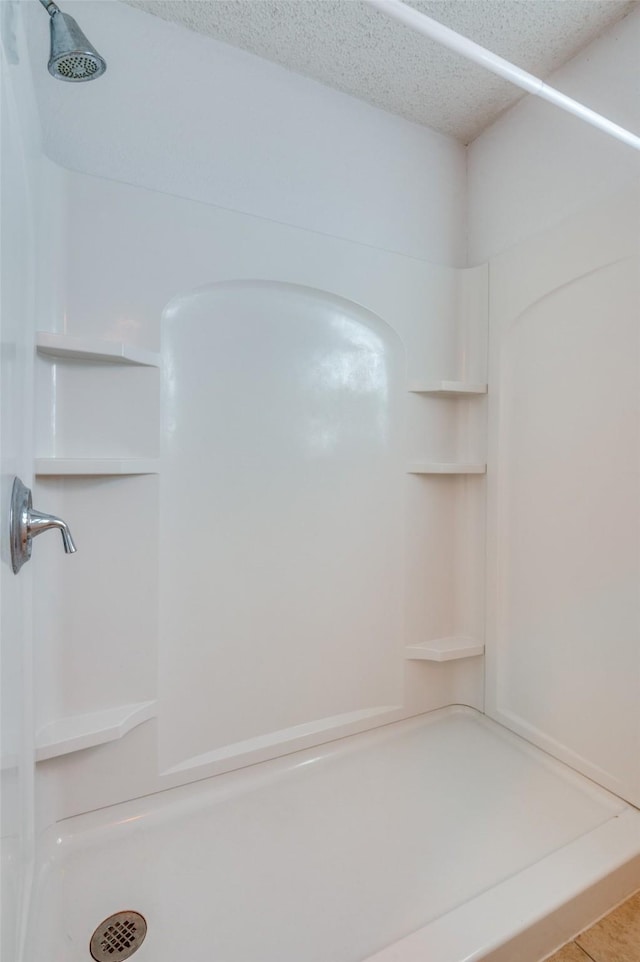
(444, 838)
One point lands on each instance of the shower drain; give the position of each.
(118, 937)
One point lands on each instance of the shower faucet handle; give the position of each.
(26, 523)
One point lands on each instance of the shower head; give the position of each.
(72, 57)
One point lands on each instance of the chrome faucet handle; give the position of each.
(26, 524)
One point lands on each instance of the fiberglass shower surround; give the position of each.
(359, 486)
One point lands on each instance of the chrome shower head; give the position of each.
(72, 57)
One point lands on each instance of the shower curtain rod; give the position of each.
(398, 10)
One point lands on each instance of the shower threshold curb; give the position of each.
(537, 910)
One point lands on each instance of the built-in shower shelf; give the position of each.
(77, 732)
(444, 467)
(449, 389)
(94, 349)
(87, 467)
(445, 649)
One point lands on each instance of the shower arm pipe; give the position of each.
(425, 25)
(50, 7)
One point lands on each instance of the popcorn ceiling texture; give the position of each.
(350, 46)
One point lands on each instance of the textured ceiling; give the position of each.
(351, 46)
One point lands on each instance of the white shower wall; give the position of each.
(191, 164)
(275, 182)
(187, 115)
(110, 600)
(229, 168)
(555, 208)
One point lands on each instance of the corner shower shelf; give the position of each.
(95, 728)
(445, 649)
(87, 467)
(452, 389)
(94, 349)
(443, 467)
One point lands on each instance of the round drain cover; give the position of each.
(118, 937)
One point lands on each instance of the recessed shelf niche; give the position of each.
(67, 346)
(445, 649)
(452, 390)
(77, 732)
(464, 419)
(88, 363)
(93, 349)
(444, 467)
(94, 467)
(449, 389)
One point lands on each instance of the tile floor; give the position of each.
(615, 938)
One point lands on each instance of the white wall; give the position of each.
(554, 206)
(187, 115)
(98, 610)
(225, 167)
(538, 165)
(563, 656)
(194, 163)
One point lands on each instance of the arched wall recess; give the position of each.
(282, 473)
(439, 315)
(543, 263)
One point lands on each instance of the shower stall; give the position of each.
(343, 415)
